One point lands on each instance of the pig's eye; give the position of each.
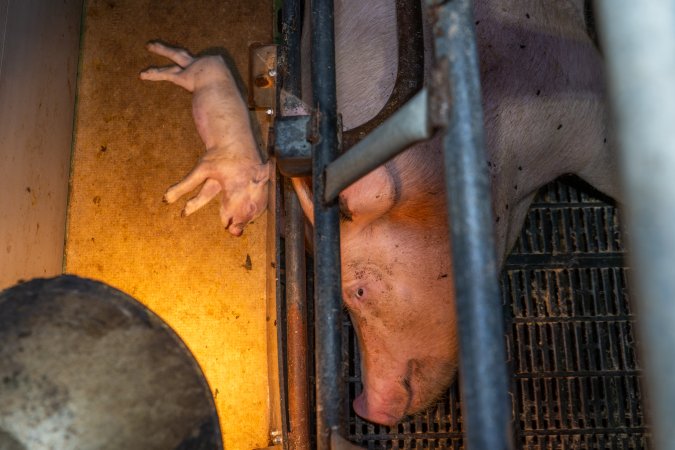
(360, 292)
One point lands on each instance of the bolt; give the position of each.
(277, 438)
(269, 112)
(272, 72)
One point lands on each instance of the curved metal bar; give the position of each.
(410, 73)
(407, 126)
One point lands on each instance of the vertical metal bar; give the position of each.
(280, 321)
(326, 227)
(289, 58)
(296, 319)
(638, 40)
(296, 295)
(482, 355)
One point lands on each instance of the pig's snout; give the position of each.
(388, 397)
(386, 407)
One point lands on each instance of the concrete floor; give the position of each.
(133, 139)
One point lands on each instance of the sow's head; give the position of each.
(399, 298)
(397, 286)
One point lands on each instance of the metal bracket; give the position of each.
(262, 91)
(292, 147)
(263, 76)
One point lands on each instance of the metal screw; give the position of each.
(272, 72)
(269, 112)
(277, 438)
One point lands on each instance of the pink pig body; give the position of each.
(545, 116)
(232, 163)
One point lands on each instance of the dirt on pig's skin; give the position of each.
(539, 70)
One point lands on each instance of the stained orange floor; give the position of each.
(133, 140)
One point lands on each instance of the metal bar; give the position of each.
(407, 126)
(297, 436)
(410, 71)
(296, 319)
(326, 228)
(638, 39)
(482, 356)
(277, 185)
(289, 58)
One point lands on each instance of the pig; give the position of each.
(233, 162)
(544, 116)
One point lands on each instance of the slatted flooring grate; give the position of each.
(575, 374)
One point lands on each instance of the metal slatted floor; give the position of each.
(575, 374)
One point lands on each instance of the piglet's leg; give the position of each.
(177, 55)
(176, 73)
(209, 190)
(197, 176)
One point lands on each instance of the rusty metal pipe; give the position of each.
(296, 324)
(297, 345)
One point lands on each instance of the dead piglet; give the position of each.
(232, 162)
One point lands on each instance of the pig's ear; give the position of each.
(369, 198)
(303, 189)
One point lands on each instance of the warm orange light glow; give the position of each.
(133, 140)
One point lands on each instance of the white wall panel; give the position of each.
(39, 50)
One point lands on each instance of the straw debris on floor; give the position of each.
(133, 140)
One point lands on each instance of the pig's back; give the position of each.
(366, 53)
